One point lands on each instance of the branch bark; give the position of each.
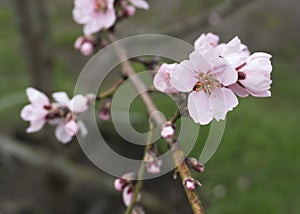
(178, 154)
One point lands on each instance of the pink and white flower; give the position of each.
(205, 76)
(68, 127)
(36, 111)
(254, 76)
(95, 15)
(162, 78)
(204, 39)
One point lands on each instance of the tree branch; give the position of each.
(178, 154)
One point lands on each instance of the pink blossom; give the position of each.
(142, 4)
(205, 76)
(95, 15)
(37, 111)
(167, 131)
(128, 195)
(254, 76)
(204, 39)
(234, 52)
(119, 184)
(69, 126)
(162, 78)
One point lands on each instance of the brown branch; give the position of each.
(158, 120)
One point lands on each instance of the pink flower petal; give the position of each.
(61, 97)
(30, 112)
(83, 129)
(127, 195)
(78, 104)
(61, 134)
(199, 61)
(222, 100)
(199, 107)
(72, 127)
(162, 78)
(183, 77)
(140, 4)
(239, 90)
(225, 73)
(35, 125)
(99, 21)
(209, 38)
(36, 97)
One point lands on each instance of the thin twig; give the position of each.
(110, 91)
(178, 154)
(141, 173)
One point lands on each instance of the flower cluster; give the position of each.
(214, 74)
(63, 113)
(96, 15)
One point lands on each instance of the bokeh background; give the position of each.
(255, 170)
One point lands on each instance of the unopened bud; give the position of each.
(194, 164)
(167, 131)
(104, 112)
(191, 183)
(87, 48)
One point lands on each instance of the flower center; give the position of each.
(207, 82)
(100, 5)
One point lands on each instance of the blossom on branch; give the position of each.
(63, 113)
(95, 15)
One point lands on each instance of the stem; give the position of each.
(110, 91)
(158, 120)
(141, 173)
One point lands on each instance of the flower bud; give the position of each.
(153, 162)
(87, 48)
(194, 164)
(104, 112)
(191, 183)
(167, 131)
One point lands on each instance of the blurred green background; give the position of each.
(256, 169)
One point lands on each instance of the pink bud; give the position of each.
(79, 42)
(87, 48)
(104, 115)
(194, 164)
(189, 183)
(128, 195)
(119, 184)
(130, 10)
(167, 131)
